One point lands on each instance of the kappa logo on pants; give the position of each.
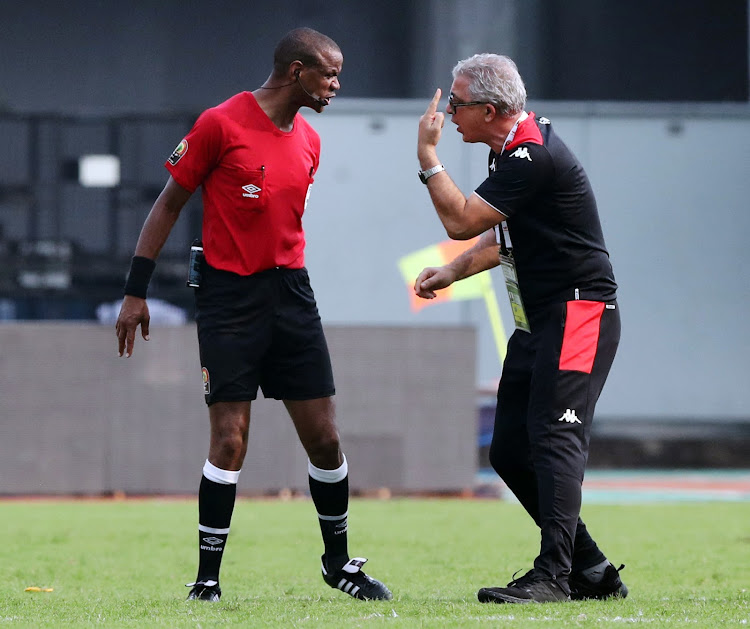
(570, 417)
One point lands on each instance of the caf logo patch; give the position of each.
(178, 153)
(206, 381)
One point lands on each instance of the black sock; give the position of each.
(215, 506)
(329, 490)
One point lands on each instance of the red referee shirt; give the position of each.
(256, 180)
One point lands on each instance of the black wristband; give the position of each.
(139, 276)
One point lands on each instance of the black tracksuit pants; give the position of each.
(551, 381)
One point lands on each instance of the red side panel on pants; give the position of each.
(581, 335)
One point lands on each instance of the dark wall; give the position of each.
(644, 50)
(140, 55)
(168, 55)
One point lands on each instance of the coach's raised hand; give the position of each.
(430, 130)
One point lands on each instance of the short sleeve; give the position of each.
(198, 153)
(518, 178)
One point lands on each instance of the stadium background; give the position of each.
(653, 99)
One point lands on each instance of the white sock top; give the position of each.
(328, 476)
(217, 475)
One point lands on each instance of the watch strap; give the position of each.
(424, 175)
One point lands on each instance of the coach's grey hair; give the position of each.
(495, 79)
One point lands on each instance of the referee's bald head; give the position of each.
(301, 44)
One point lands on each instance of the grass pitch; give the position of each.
(124, 563)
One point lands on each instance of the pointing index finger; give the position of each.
(432, 107)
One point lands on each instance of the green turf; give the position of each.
(123, 564)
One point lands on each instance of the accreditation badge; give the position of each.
(514, 293)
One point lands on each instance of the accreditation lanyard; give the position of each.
(507, 262)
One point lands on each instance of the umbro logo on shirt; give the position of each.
(251, 191)
(522, 152)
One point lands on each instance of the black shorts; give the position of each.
(261, 330)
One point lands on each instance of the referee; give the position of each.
(255, 158)
(538, 219)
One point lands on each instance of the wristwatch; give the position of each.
(424, 175)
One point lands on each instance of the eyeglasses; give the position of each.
(454, 105)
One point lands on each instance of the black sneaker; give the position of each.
(530, 588)
(351, 579)
(523, 581)
(609, 586)
(204, 591)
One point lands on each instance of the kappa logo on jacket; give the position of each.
(570, 417)
(251, 191)
(522, 152)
